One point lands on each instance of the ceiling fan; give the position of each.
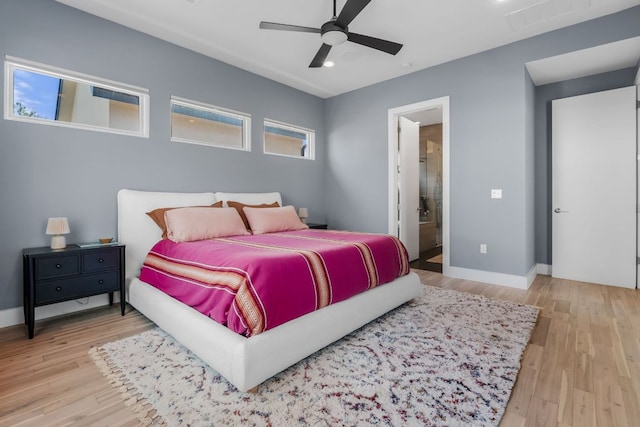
(336, 31)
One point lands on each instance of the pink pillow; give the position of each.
(271, 220)
(197, 223)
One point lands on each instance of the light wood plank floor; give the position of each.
(581, 367)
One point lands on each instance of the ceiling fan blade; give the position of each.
(350, 10)
(318, 60)
(286, 27)
(375, 43)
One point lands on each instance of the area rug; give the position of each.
(448, 358)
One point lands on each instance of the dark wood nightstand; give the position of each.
(317, 226)
(57, 275)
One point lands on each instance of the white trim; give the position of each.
(244, 117)
(15, 316)
(393, 115)
(531, 276)
(510, 280)
(11, 316)
(544, 269)
(311, 134)
(11, 63)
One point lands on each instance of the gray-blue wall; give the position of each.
(51, 171)
(544, 95)
(48, 171)
(490, 137)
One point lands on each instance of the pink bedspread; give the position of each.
(255, 283)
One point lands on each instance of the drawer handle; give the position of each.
(100, 260)
(101, 281)
(58, 265)
(58, 288)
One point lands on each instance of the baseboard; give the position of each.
(531, 276)
(544, 269)
(511, 280)
(15, 316)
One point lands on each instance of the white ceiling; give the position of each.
(581, 63)
(433, 32)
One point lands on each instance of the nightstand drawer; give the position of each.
(57, 266)
(76, 287)
(100, 260)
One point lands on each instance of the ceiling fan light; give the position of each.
(334, 37)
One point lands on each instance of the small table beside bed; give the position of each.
(248, 347)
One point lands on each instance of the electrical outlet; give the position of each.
(483, 248)
(496, 193)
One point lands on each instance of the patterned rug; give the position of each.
(449, 358)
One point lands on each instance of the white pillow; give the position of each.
(271, 220)
(201, 223)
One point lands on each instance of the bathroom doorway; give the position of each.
(433, 175)
(430, 191)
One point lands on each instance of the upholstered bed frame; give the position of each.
(245, 362)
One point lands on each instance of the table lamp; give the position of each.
(303, 213)
(57, 227)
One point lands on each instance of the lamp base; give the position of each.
(58, 242)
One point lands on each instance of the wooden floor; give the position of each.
(581, 367)
(423, 263)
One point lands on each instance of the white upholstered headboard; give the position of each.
(138, 231)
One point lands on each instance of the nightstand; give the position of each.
(317, 226)
(57, 275)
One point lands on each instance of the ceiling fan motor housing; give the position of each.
(333, 34)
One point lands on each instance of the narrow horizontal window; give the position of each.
(288, 140)
(48, 95)
(196, 123)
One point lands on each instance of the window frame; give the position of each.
(311, 138)
(189, 103)
(13, 63)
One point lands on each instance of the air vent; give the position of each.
(544, 11)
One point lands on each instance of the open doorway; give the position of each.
(433, 178)
(430, 189)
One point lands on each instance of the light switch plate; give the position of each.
(496, 193)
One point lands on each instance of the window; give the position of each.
(287, 140)
(197, 123)
(42, 94)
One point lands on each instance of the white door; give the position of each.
(594, 188)
(408, 186)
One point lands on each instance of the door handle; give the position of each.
(558, 210)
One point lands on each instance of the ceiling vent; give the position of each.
(544, 11)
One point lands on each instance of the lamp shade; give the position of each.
(57, 226)
(303, 214)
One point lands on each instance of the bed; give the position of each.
(244, 362)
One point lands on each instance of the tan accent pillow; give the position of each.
(239, 207)
(203, 223)
(273, 220)
(157, 215)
